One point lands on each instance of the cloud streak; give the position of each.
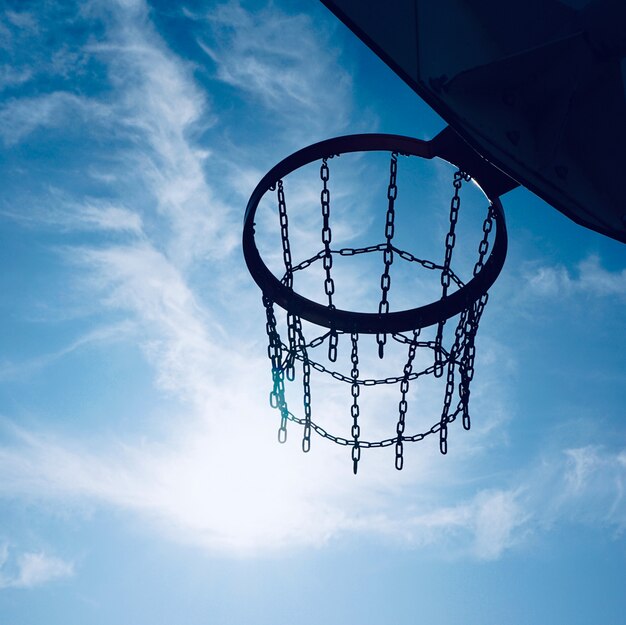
(283, 62)
(32, 569)
(217, 478)
(249, 497)
(21, 117)
(591, 278)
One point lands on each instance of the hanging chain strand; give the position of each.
(290, 373)
(403, 405)
(306, 387)
(445, 413)
(455, 204)
(474, 314)
(290, 369)
(385, 279)
(284, 233)
(354, 410)
(329, 284)
(274, 351)
(446, 272)
(460, 356)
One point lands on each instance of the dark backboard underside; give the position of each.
(534, 86)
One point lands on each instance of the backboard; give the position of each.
(536, 87)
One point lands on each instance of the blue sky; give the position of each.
(140, 478)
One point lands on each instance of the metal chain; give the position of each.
(402, 406)
(396, 336)
(461, 354)
(474, 314)
(484, 244)
(400, 338)
(443, 430)
(284, 232)
(367, 381)
(386, 442)
(385, 279)
(455, 204)
(290, 371)
(288, 277)
(329, 284)
(467, 366)
(351, 251)
(274, 352)
(354, 410)
(306, 387)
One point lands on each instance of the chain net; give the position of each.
(455, 363)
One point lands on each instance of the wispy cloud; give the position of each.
(31, 569)
(162, 108)
(101, 335)
(154, 110)
(216, 477)
(590, 278)
(594, 485)
(251, 497)
(10, 77)
(181, 338)
(284, 63)
(63, 213)
(20, 117)
(226, 486)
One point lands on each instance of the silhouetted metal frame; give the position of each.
(372, 323)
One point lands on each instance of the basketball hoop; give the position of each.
(458, 299)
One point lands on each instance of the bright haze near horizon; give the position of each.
(140, 477)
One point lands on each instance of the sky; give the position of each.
(140, 476)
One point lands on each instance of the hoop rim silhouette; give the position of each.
(363, 322)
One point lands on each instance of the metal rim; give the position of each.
(367, 323)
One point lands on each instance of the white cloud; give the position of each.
(499, 518)
(595, 480)
(10, 77)
(223, 483)
(21, 116)
(180, 337)
(91, 215)
(591, 278)
(31, 569)
(101, 335)
(162, 108)
(153, 110)
(22, 20)
(107, 217)
(291, 67)
(217, 478)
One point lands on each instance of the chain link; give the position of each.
(290, 371)
(366, 381)
(354, 410)
(455, 204)
(284, 232)
(277, 395)
(306, 387)
(484, 244)
(385, 279)
(461, 355)
(386, 442)
(473, 316)
(397, 336)
(329, 284)
(351, 251)
(443, 430)
(402, 406)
